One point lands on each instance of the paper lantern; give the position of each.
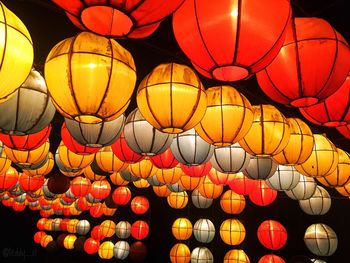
(111, 71)
(196, 25)
(299, 76)
(38, 236)
(271, 259)
(323, 159)
(153, 180)
(128, 176)
(9, 178)
(72, 160)
(228, 116)
(44, 169)
(121, 149)
(46, 240)
(344, 130)
(139, 205)
(142, 183)
(204, 230)
(91, 246)
(236, 256)
(123, 229)
(318, 204)
(305, 188)
(17, 58)
(260, 168)
(182, 229)
(217, 177)
(230, 159)
(121, 250)
(180, 253)
(180, 87)
(105, 250)
(165, 160)
(80, 186)
(169, 176)
(108, 228)
(209, 190)
(232, 232)
(201, 255)
(100, 189)
(177, 200)
(69, 241)
(96, 233)
(30, 183)
(300, 144)
(58, 183)
(138, 251)
(189, 148)
(83, 227)
(232, 203)
(243, 185)
(161, 191)
(121, 195)
(285, 178)
(94, 173)
(4, 162)
(199, 170)
(321, 240)
(341, 175)
(139, 230)
(143, 169)
(269, 133)
(200, 201)
(175, 187)
(272, 234)
(263, 195)
(72, 226)
(117, 179)
(189, 182)
(108, 162)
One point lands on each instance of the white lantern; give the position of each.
(321, 240)
(83, 227)
(121, 250)
(204, 230)
(200, 201)
(260, 168)
(285, 178)
(304, 189)
(201, 255)
(318, 204)
(122, 229)
(56, 224)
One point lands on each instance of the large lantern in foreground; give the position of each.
(272, 234)
(17, 58)
(228, 116)
(321, 240)
(172, 98)
(111, 71)
(344, 130)
(232, 54)
(299, 76)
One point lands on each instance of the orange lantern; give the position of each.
(232, 203)
(143, 169)
(100, 189)
(178, 200)
(232, 232)
(9, 178)
(45, 169)
(180, 253)
(189, 182)
(209, 190)
(108, 228)
(4, 161)
(236, 256)
(117, 179)
(72, 160)
(217, 177)
(182, 229)
(169, 176)
(108, 162)
(161, 191)
(80, 186)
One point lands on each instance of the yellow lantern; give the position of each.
(16, 52)
(111, 74)
(143, 169)
(169, 176)
(189, 182)
(209, 190)
(68, 241)
(107, 161)
(72, 160)
(180, 253)
(236, 256)
(341, 175)
(108, 228)
(5, 162)
(323, 159)
(300, 144)
(232, 203)
(232, 232)
(228, 117)
(117, 179)
(182, 229)
(45, 240)
(269, 133)
(178, 200)
(43, 170)
(105, 250)
(161, 191)
(72, 224)
(90, 174)
(172, 98)
(142, 183)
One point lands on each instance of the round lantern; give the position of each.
(30, 183)
(138, 251)
(38, 236)
(204, 231)
(169, 176)
(232, 232)
(243, 185)
(323, 159)
(96, 233)
(228, 116)
(217, 177)
(260, 168)
(17, 58)
(201, 255)
(165, 160)
(285, 178)
(94, 173)
(272, 234)
(139, 205)
(142, 183)
(139, 230)
(123, 229)
(199, 170)
(300, 144)
(196, 31)
(269, 133)
(72, 225)
(124, 153)
(177, 200)
(189, 148)
(200, 201)
(236, 256)
(117, 179)
(33, 95)
(8, 179)
(182, 229)
(142, 137)
(161, 191)
(304, 189)
(91, 246)
(68, 241)
(100, 189)
(232, 203)
(180, 253)
(121, 250)
(180, 86)
(189, 182)
(72, 160)
(271, 259)
(299, 76)
(46, 240)
(83, 227)
(108, 228)
(143, 169)
(108, 162)
(209, 190)
(111, 71)
(321, 240)
(318, 204)
(263, 195)
(344, 130)
(58, 183)
(80, 186)
(105, 250)
(121, 195)
(43, 170)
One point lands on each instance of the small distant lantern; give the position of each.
(177, 200)
(232, 203)
(123, 229)
(80, 186)
(180, 253)
(91, 246)
(321, 240)
(105, 250)
(201, 254)
(204, 230)
(182, 229)
(68, 241)
(200, 201)
(139, 230)
(236, 255)
(121, 195)
(318, 204)
(83, 227)
(139, 205)
(100, 189)
(232, 232)
(121, 250)
(272, 234)
(108, 228)
(263, 195)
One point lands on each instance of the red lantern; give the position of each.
(299, 76)
(18, 207)
(64, 224)
(121, 195)
(31, 183)
(243, 185)
(165, 160)
(96, 233)
(73, 145)
(96, 210)
(82, 204)
(345, 131)
(100, 189)
(272, 234)
(26, 142)
(139, 230)
(41, 223)
(38, 236)
(271, 259)
(124, 153)
(196, 170)
(139, 205)
(80, 186)
(122, 18)
(9, 178)
(263, 195)
(91, 246)
(220, 40)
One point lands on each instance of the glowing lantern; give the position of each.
(321, 240)
(201, 254)
(121, 250)
(121, 195)
(143, 169)
(96, 233)
(169, 176)
(199, 170)
(243, 185)
(217, 177)
(108, 228)
(17, 58)
(232, 232)
(271, 259)
(72, 225)
(263, 195)
(139, 230)
(318, 204)
(200, 201)
(69, 241)
(38, 236)
(8, 179)
(124, 153)
(46, 240)
(100, 189)
(269, 133)
(209, 190)
(126, 175)
(305, 188)
(105, 250)
(323, 159)
(4, 162)
(83, 227)
(176, 187)
(161, 191)
(108, 162)
(204, 231)
(123, 229)
(72, 160)
(181, 86)
(153, 180)
(344, 190)
(344, 130)
(189, 182)
(236, 256)
(142, 183)
(80, 186)
(30, 183)
(91, 246)
(285, 178)
(43, 170)
(299, 76)
(94, 173)
(300, 144)
(182, 229)
(260, 168)
(232, 203)
(139, 205)
(180, 253)
(189, 148)
(196, 23)
(177, 200)
(117, 179)
(165, 160)
(111, 71)
(272, 234)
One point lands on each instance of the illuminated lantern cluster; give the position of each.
(272, 234)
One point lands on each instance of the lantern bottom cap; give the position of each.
(172, 130)
(230, 73)
(304, 102)
(334, 123)
(88, 119)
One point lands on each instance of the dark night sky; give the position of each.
(48, 25)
